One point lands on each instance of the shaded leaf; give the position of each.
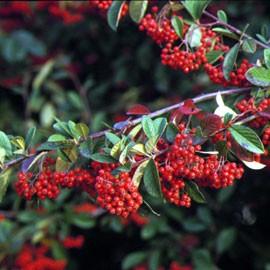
(229, 61)
(151, 179)
(195, 8)
(247, 138)
(178, 25)
(194, 192)
(114, 14)
(222, 16)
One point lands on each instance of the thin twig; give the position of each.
(198, 99)
(235, 30)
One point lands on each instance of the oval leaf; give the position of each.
(151, 179)
(137, 9)
(114, 14)
(258, 76)
(247, 138)
(229, 61)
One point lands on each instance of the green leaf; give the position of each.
(194, 192)
(225, 240)
(178, 26)
(194, 36)
(82, 129)
(18, 142)
(171, 132)
(194, 225)
(213, 56)
(48, 146)
(134, 132)
(138, 174)
(4, 181)
(202, 260)
(134, 259)
(139, 149)
(125, 152)
(116, 149)
(222, 16)
(247, 138)
(56, 138)
(83, 221)
(76, 133)
(69, 154)
(205, 215)
(258, 76)
(114, 14)
(266, 54)
(12, 51)
(229, 61)
(58, 251)
(151, 179)
(114, 139)
(148, 126)
(47, 114)
(154, 260)
(62, 165)
(227, 118)
(2, 155)
(5, 143)
(102, 158)
(137, 9)
(123, 168)
(29, 43)
(30, 136)
(225, 32)
(85, 149)
(160, 126)
(249, 46)
(225, 193)
(150, 144)
(43, 74)
(62, 127)
(261, 38)
(195, 8)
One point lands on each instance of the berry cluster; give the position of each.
(177, 54)
(117, 194)
(183, 163)
(248, 105)
(266, 137)
(73, 242)
(47, 184)
(36, 258)
(160, 32)
(237, 77)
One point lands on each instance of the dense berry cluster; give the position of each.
(117, 194)
(47, 183)
(249, 105)
(182, 163)
(177, 54)
(237, 77)
(36, 258)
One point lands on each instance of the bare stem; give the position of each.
(201, 98)
(235, 30)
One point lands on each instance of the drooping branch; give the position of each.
(201, 98)
(235, 30)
